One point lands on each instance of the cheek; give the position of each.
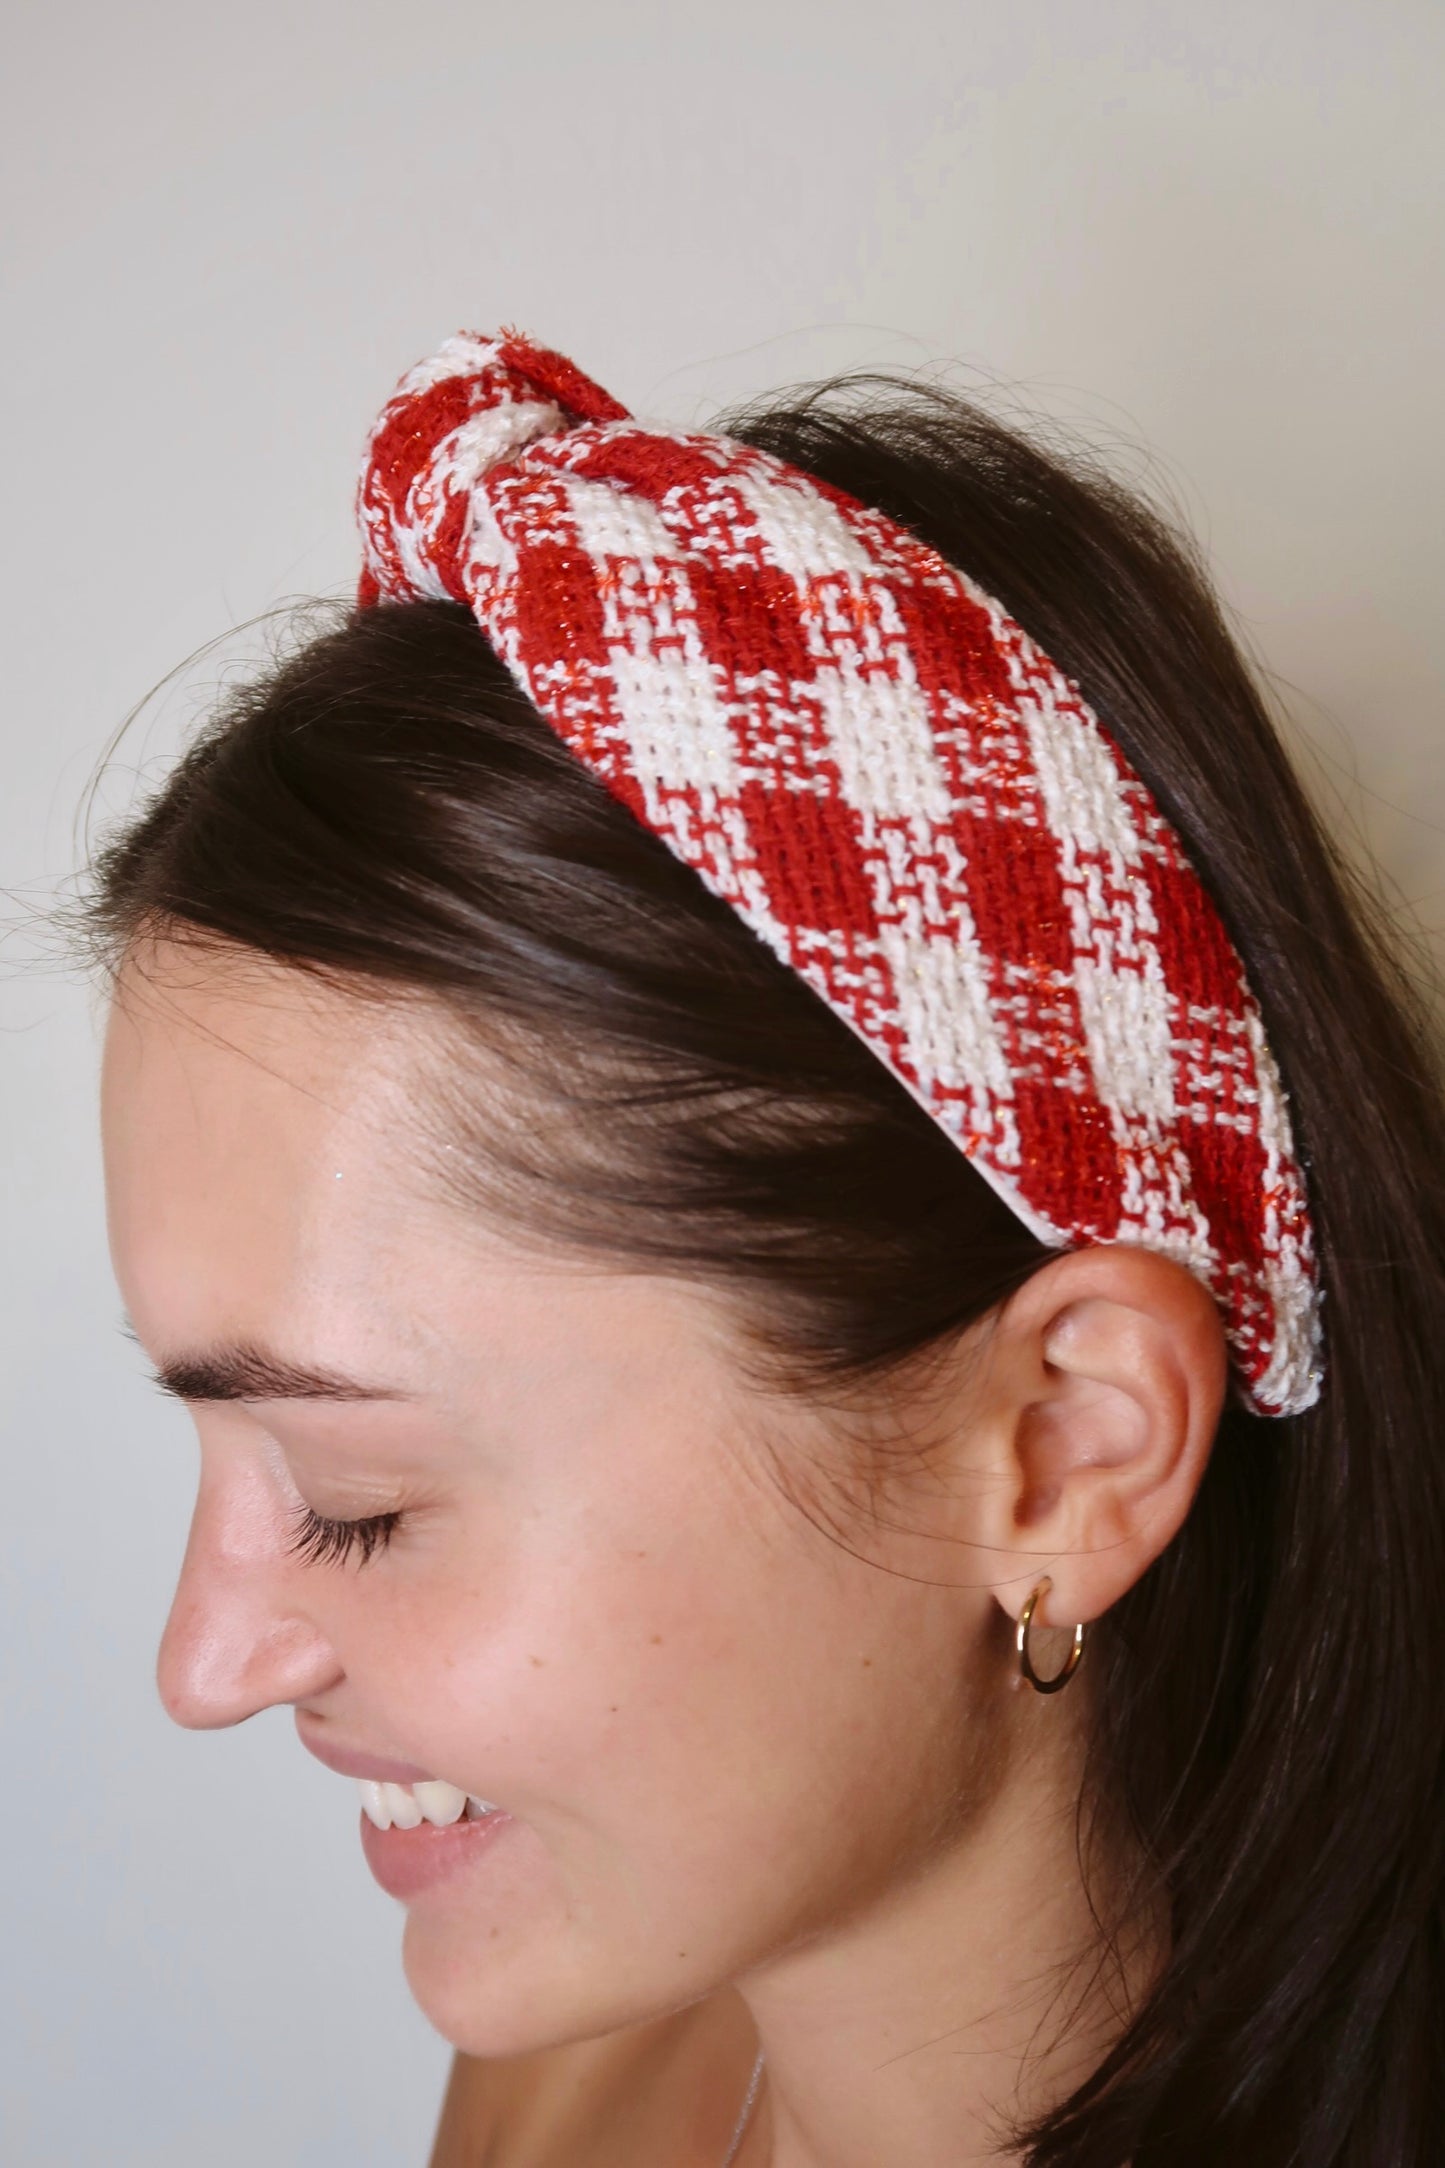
(657, 1719)
(707, 1758)
(615, 1693)
(537, 1678)
(586, 1690)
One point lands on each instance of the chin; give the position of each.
(489, 2000)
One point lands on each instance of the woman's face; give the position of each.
(713, 1730)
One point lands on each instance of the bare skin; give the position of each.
(768, 1785)
(666, 2094)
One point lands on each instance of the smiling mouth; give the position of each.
(407, 1806)
(411, 1858)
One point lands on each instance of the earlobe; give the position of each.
(1105, 1409)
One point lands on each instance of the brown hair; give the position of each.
(387, 808)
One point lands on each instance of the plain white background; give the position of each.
(1211, 237)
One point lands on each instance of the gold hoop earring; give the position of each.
(1021, 1638)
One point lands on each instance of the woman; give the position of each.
(803, 1228)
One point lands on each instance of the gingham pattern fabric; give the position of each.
(875, 766)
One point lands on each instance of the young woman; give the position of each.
(803, 1225)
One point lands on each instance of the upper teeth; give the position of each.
(407, 1805)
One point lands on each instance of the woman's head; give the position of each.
(721, 1719)
(745, 1415)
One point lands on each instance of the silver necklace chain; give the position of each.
(753, 2082)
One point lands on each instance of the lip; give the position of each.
(407, 1861)
(349, 1762)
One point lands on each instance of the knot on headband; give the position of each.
(861, 752)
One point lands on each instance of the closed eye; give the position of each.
(320, 1541)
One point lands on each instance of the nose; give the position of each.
(239, 1637)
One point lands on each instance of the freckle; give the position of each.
(492, 1934)
(539, 1661)
(613, 1710)
(657, 1640)
(867, 1661)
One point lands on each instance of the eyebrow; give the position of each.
(243, 1370)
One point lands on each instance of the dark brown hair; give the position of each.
(385, 806)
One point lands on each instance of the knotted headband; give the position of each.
(876, 767)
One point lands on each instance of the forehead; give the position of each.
(257, 1128)
(264, 1190)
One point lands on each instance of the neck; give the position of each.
(970, 1995)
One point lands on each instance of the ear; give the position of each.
(1101, 1387)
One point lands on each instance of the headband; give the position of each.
(868, 759)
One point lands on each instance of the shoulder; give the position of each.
(657, 2095)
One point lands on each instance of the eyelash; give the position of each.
(319, 1541)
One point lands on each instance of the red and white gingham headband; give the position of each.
(876, 767)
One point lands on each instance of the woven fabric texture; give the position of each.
(868, 759)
